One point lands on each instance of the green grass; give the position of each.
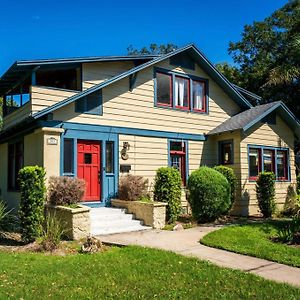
(254, 240)
(129, 273)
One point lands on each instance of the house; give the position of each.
(98, 118)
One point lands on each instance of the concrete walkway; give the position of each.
(186, 242)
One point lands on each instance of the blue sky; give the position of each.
(49, 29)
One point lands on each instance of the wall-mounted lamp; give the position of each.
(124, 154)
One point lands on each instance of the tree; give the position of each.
(268, 57)
(152, 49)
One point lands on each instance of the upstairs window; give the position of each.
(15, 163)
(182, 92)
(90, 104)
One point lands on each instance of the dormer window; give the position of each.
(181, 91)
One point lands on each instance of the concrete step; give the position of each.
(106, 220)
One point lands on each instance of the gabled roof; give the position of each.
(246, 119)
(192, 50)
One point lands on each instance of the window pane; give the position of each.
(87, 158)
(181, 92)
(268, 160)
(177, 146)
(226, 153)
(254, 162)
(164, 88)
(68, 156)
(282, 164)
(93, 103)
(109, 157)
(198, 95)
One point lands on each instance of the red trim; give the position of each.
(188, 94)
(171, 90)
(203, 97)
(284, 152)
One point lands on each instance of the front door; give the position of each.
(88, 168)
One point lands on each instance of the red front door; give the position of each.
(88, 168)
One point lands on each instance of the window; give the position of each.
(90, 104)
(282, 166)
(164, 89)
(68, 156)
(181, 91)
(15, 163)
(268, 160)
(178, 158)
(109, 167)
(226, 152)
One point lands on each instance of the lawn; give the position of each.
(129, 273)
(254, 240)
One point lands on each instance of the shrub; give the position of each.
(63, 190)
(289, 232)
(298, 185)
(167, 188)
(291, 205)
(31, 212)
(265, 193)
(231, 178)
(132, 187)
(209, 194)
(52, 232)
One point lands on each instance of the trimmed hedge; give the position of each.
(167, 188)
(231, 178)
(209, 194)
(31, 212)
(265, 193)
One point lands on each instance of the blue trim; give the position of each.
(187, 76)
(275, 149)
(92, 130)
(186, 144)
(98, 110)
(202, 60)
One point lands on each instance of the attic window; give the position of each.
(90, 104)
(181, 91)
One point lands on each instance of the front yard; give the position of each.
(255, 240)
(128, 273)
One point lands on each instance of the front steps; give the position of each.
(105, 220)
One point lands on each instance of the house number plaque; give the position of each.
(52, 141)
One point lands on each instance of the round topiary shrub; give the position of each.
(209, 194)
(231, 178)
(265, 193)
(167, 188)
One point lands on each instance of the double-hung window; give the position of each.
(182, 92)
(178, 158)
(264, 159)
(15, 163)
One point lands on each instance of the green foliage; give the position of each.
(289, 232)
(132, 188)
(167, 188)
(51, 233)
(265, 193)
(231, 178)
(63, 190)
(298, 185)
(268, 56)
(209, 194)
(4, 215)
(32, 190)
(152, 49)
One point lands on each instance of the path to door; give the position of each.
(186, 242)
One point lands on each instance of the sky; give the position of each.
(32, 29)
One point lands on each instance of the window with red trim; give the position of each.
(269, 160)
(254, 162)
(178, 158)
(181, 92)
(164, 89)
(15, 163)
(282, 166)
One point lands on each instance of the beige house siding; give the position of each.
(279, 135)
(95, 73)
(136, 109)
(17, 116)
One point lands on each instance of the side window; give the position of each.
(109, 165)
(178, 158)
(226, 152)
(68, 157)
(15, 163)
(90, 104)
(164, 89)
